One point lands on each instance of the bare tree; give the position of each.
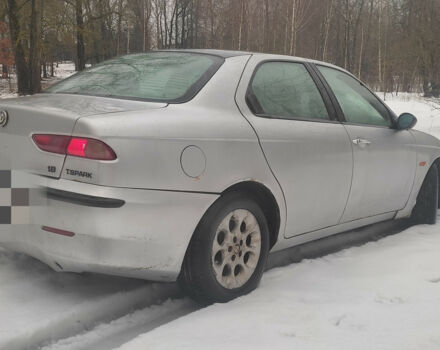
(80, 50)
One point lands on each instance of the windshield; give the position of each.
(172, 77)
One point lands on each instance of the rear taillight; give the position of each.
(52, 143)
(90, 148)
(74, 146)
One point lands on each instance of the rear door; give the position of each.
(308, 150)
(384, 158)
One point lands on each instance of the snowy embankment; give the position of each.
(382, 295)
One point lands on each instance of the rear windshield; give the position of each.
(157, 76)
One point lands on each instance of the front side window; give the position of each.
(156, 76)
(286, 90)
(358, 104)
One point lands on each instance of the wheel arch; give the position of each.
(437, 164)
(267, 202)
(264, 198)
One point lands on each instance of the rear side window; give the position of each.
(285, 90)
(157, 76)
(358, 104)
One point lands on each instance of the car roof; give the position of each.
(220, 53)
(232, 53)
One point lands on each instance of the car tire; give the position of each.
(228, 251)
(425, 210)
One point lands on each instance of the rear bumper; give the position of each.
(126, 232)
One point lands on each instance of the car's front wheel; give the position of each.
(425, 210)
(228, 252)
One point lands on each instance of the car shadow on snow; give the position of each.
(336, 243)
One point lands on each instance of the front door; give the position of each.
(384, 158)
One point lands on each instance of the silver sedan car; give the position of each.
(192, 165)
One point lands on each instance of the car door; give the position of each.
(308, 150)
(384, 157)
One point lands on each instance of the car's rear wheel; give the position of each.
(425, 210)
(228, 252)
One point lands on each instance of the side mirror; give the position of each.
(406, 121)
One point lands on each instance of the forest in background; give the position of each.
(393, 45)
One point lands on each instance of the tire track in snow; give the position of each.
(118, 332)
(38, 305)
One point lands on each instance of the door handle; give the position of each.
(361, 142)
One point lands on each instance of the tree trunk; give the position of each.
(293, 29)
(367, 40)
(286, 30)
(355, 34)
(346, 34)
(144, 29)
(5, 71)
(128, 39)
(266, 21)
(18, 49)
(327, 30)
(385, 58)
(119, 28)
(183, 29)
(34, 60)
(80, 49)
(240, 31)
(379, 53)
(361, 54)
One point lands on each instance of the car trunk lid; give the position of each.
(50, 114)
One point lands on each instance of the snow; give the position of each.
(427, 111)
(64, 70)
(381, 295)
(37, 304)
(5, 94)
(108, 336)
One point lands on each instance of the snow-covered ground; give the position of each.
(381, 295)
(37, 305)
(427, 111)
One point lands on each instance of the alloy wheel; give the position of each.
(236, 249)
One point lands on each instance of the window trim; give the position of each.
(190, 93)
(337, 106)
(320, 87)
